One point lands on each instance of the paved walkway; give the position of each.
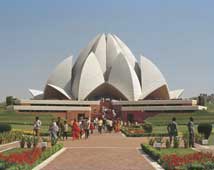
(11, 145)
(101, 152)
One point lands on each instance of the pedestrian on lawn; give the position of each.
(172, 129)
(36, 126)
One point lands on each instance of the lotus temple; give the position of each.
(106, 78)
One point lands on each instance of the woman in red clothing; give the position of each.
(75, 130)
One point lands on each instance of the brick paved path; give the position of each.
(101, 152)
(8, 146)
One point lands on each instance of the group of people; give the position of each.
(85, 127)
(172, 129)
(58, 129)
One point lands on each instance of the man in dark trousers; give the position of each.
(172, 129)
(86, 126)
(191, 132)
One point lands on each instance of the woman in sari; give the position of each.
(75, 130)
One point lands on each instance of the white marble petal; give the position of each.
(61, 76)
(176, 94)
(124, 78)
(79, 63)
(100, 52)
(60, 90)
(91, 76)
(151, 78)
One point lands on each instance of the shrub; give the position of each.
(185, 138)
(198, 138)
(9, 100)
(22, 142)
(152, 152)
(176, 142)
(4, 127)
(151, 141)
(147, 127)
(205, 129)
(168, 143)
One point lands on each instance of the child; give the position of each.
(65, 130)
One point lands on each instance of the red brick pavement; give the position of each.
(101, 152)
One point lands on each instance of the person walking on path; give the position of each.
(172, 129)
(36, 126)
(60, 126)
(100, 125)
(92, 127)
(53, 132)
(190, 126)
(65, 130)
(75, 130)
(86, 126)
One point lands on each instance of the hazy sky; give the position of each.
(176, 35)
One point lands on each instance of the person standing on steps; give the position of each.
(172, 129)
(190, 126)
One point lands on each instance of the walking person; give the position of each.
(100, 125)
(86, 126)
(60, 126)
(36, 126)
(190, 126)
(92, 127)
(53, 132)
(65, 130)
(75, 130)
(172, 129)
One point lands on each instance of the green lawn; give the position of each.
(210, 107)
(163, 119)
(177, 151)
(25, 121)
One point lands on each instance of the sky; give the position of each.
(176, 35)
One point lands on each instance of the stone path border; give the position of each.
(47, 161)
(6, 149)
(6, 144)
(154, 164)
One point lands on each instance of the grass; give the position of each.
(25, 121)
(163, 119)
(177, 151)
(163, 129)
(210, 107)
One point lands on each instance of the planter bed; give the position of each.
(26, 159)
(180, 158)
(128, 134)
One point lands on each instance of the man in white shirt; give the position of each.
(37, 125)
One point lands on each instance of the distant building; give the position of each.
(106, 74)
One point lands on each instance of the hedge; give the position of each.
(4, 127)
(125, 132)
(151, 151)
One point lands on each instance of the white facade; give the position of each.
(107, 64)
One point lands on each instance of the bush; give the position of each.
(205, 129)
(152, 152)
(4, 127)
(9, 100)
(147, 127)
